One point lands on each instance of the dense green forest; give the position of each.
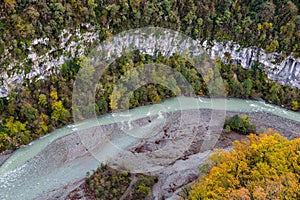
(273, 25)
(41, 106)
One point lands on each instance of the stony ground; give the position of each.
(184, 169)
(174, 150)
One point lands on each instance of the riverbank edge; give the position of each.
(270, 121)
(252, 115)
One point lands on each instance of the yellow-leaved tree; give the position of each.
(265, 166)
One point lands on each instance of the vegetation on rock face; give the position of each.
(108, 183)
(239, 124)
(37, 109)
(265, 166)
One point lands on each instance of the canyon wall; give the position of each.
(73, 45)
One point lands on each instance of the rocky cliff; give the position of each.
(285, 71)
(73, 45)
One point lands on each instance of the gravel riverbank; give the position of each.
(4, 156)
(178, 166)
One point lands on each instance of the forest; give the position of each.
(264, 166)
(45, 105)
(273, 25)
(40, 106)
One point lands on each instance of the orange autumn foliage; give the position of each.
(265, 166)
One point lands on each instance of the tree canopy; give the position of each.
(265, 166)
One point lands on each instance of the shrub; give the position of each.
(239, 124)
(109, 183)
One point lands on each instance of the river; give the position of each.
(27, 173)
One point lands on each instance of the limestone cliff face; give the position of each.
(73, 44)
(286, 72)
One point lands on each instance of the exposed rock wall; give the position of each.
(73, 44)
(286, 72)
